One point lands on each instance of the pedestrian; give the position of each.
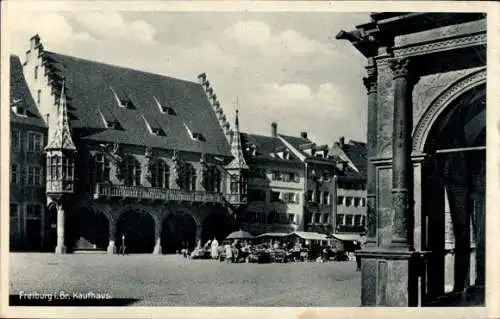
(122, 247)
(229, 252)
(215, 249)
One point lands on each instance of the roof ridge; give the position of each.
(120, 67)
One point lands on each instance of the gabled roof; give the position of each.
(354, 153)
(265, 146)
(20, 95)
(94, 90)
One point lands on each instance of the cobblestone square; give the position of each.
(170, 280)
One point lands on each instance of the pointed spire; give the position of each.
(236, 150)
(61, 138)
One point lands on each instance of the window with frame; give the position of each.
(291, 218)
(348, 201)
(34, 142)
(290, 197)
(357, 220)
(326, 198)
(132, 172)
(14, 174)
(326, 218)
(316, 197)
(363, 202)
(340, 200)
(38, 97)
(33, 211)
(357, 201)
(14, 210)
(275, 197)
(102, 168)
(34, 175)
(340, 219)
(53, 170)
(309, 196)
(160, 175)
(189, 183)
(235, 185)
(67, 168)
(16, 141)
(349, 219)
(36, 72)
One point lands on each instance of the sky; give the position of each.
(276, 66)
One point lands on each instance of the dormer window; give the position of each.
(195, 135)
(158, 131)
(18, 107)
(126, 103)
(115, 125)
(123, 99)
(164, 108)
(198, 136)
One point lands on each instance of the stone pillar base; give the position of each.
(157, 250)
(111, 248)
(60, 249)
(389, 278)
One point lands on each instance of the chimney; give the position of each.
(303, 134)
(342, 142)
(274, 129)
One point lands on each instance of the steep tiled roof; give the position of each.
(265, 145)
(356, 151)
(353, 152)
(20, 95)
(93, 90)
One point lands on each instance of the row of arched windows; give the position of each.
(160, 174)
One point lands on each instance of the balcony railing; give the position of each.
(154, 193)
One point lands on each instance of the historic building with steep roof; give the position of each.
(110, 157)
(114, 156)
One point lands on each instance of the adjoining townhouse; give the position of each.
(131, 157)
(27, 165)
(350, 210)
(291, 184)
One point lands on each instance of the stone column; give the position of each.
(157, 249)
(370, 83)
(344, 219)
(111, 245)
(401, 148)
(60, 247)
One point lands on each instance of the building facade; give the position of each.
(28, 227)
(105, 157)
(114, 157)
(426, 87)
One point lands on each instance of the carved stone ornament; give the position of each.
(148, 153)
(370, 83)
(400, 67)
(178, 169)
(204, 171)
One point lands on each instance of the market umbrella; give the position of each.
(240, 234)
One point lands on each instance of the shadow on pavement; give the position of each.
(15, 300)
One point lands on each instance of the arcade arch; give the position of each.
(453, 186)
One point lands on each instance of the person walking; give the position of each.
(215, 249)
(122, 247)
(229, 252)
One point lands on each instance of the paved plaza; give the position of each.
(170, 280)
